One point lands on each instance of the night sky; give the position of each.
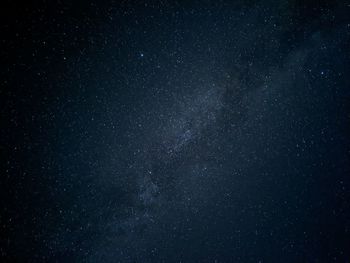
(175, 131)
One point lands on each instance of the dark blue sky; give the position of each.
(175, 131)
